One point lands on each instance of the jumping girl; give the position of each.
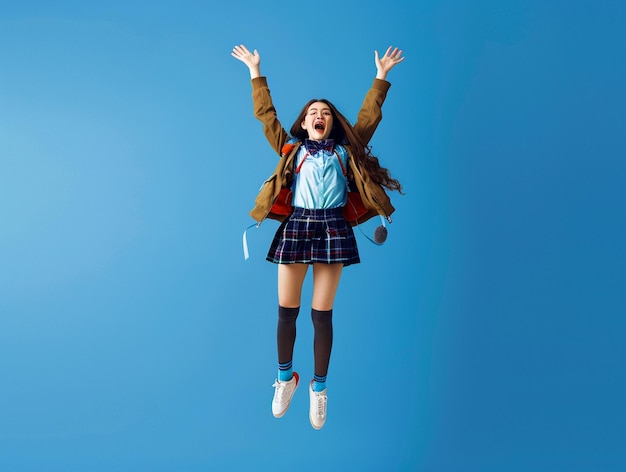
(322, 158)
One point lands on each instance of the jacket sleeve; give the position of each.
(371, 110)
(265, 112)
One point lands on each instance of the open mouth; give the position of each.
(319, 126)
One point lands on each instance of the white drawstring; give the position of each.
(246, 254)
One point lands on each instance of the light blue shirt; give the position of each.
(320, 183)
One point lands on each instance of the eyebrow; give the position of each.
(315, 108)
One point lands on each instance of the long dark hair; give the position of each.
(342, 132)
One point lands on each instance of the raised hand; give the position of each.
(250, 59)
(387, 62)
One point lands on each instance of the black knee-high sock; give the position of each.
(322, 340)
(286, 334)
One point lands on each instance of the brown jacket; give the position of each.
(373, 195)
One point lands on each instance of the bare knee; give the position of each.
(325, 283)
(290, 280)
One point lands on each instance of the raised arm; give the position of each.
(264, 109)
(371, 110)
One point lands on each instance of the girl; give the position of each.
(322, 157)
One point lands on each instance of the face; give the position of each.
(318, 121)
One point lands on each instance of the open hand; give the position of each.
(251, 59)
(388, 61)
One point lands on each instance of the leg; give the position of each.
(285, 341)
(290, 280)
(325, 283)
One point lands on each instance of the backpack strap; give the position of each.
(302, 162)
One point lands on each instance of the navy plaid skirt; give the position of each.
(309, 236)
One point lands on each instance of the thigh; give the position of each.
(325, 283)
(290, 280)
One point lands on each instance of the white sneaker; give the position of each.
(317, 407)
(282, 395)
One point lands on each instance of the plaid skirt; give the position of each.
(309, 236)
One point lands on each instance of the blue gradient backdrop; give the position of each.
(487, 334)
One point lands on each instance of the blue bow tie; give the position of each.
(315, 146)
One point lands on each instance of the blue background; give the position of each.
(487, 334)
